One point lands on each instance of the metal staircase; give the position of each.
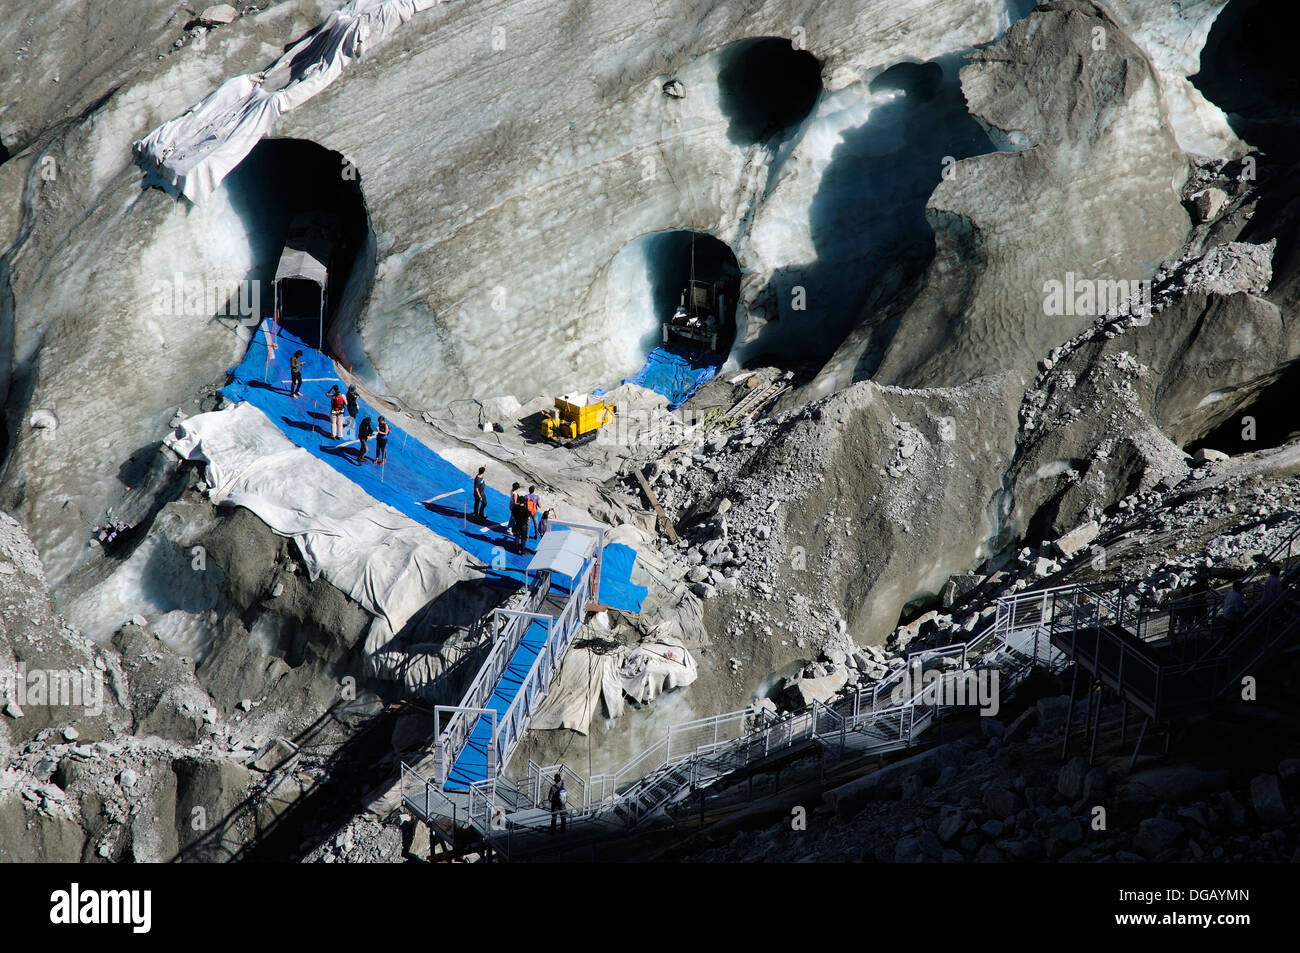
(1165, 659)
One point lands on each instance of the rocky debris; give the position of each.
(365, 840)
(1078, 539)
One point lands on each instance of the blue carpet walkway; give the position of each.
(471, 765)
(415, 481)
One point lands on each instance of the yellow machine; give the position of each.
(575, 419)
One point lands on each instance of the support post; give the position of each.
(1069, 712)
(1138, 747)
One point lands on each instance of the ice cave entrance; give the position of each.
(1247, 71)
(694, 282)
(1269, 420)
(305, 216)
(766, 87)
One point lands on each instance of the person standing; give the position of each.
(544, 523)
(381, 442)
(1234, 608)
(512, 522)
(363, 435)
(480, 494)
(337, 406)
(533, 501)
(295, 374)
(354, 404)
(1272, 587)
(559, 798)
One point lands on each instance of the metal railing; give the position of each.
(508, 629)
(559, 634)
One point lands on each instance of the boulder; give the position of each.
(218, 14)
(1208, 203)
(1267, 800)
(1076, 540)
(1069, 780)
(1206, 455)
(1156, 835)
(1001, 800)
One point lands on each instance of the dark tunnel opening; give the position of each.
(672, 258)
(296, 192)
(868, 225)
(5, 154)
(767, 87)
(1246, 70)
(1268, 421)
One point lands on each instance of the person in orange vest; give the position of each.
(338, 404)
(534, 503)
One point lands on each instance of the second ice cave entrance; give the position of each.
(680, 265)
(882, 151)
(1267, 421)
(1246, 70)
(306, 219)
(766, 87)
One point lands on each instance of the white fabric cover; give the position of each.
(641, 672)
(382, 559)
(196, 151)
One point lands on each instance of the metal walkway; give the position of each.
(1166, 660)
(889, 716)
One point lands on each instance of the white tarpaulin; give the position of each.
(379, 557)
(196, 151)
(641, 672)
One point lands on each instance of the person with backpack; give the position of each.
(558, 798)
(520, 511)
(381, 442)
(533, 501)
(363, 435)
(354, 403)
(480, 494)
(337, 406)
(295, 374)
(512, 521)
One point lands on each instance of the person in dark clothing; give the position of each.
(1233, 611)
(480, 494)
(544, 523)
(295, 374)
(512, 521)
(381, 441)
(363, 434)
(558, 798)
(354, 403)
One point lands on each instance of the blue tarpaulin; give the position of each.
(415, 481)
(676, 372)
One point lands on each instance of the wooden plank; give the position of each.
(654, 501)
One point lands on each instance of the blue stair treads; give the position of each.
(415, 481)
(676, 372)
(471, 765)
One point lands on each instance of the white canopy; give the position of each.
(564, 551)
(300, 263)
(194, 152)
